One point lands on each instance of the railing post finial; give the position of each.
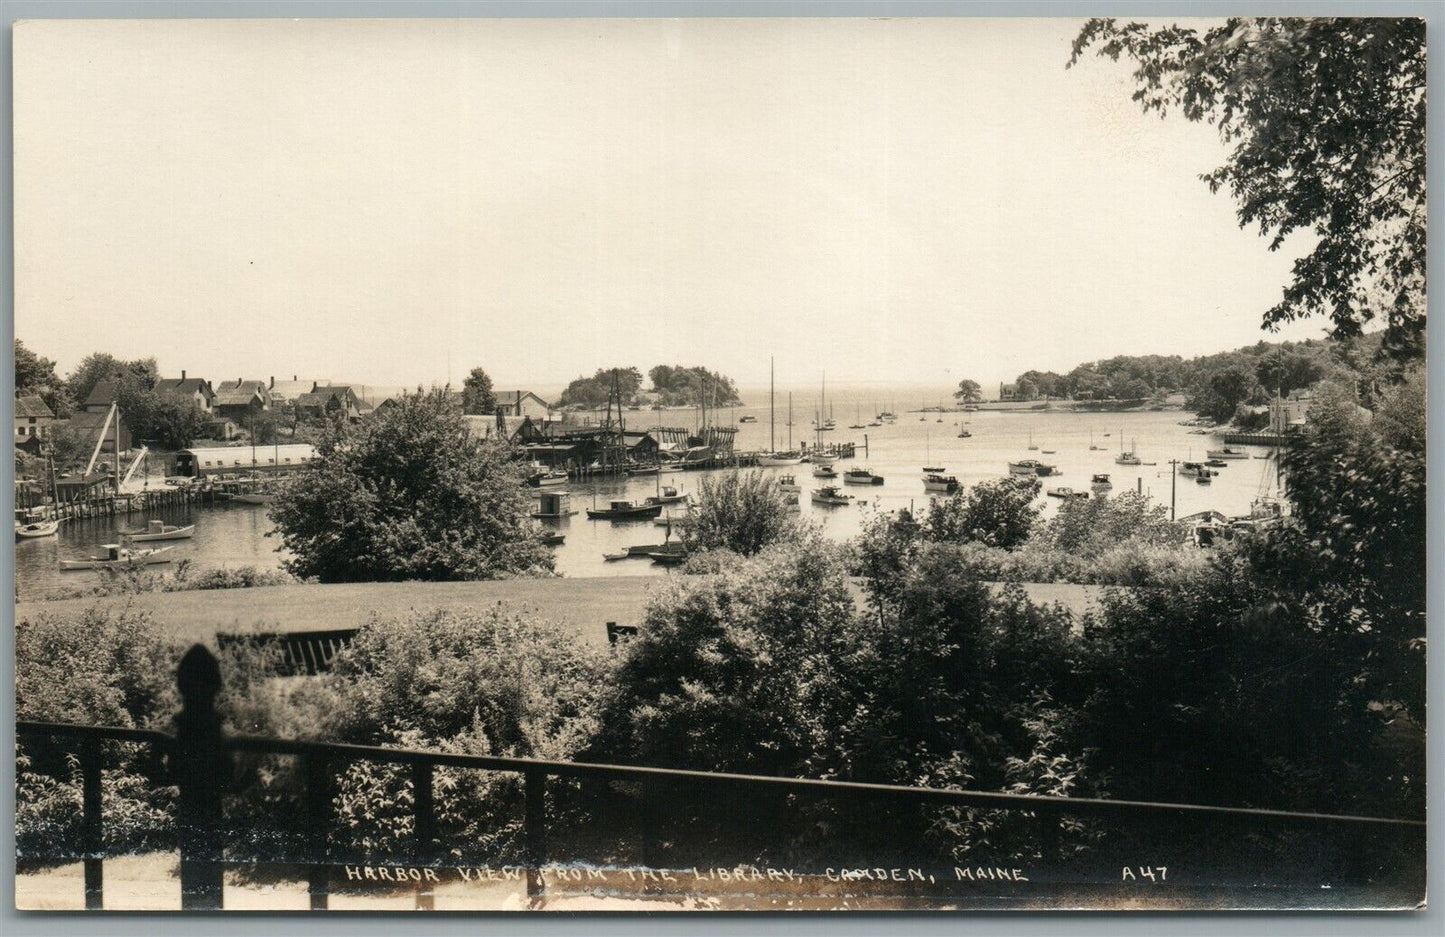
(202, 768)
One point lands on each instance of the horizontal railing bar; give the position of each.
(944, 797)
(115, 733)
(1079, 806)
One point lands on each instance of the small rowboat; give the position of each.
(37, 529)
(117, 555)
(160, 530)
(613, 557)
(668, 557)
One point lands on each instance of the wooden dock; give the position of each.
(1255, 439)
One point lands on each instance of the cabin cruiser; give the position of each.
(830, 495)
(861, 476)
(624, 510)
(943, 484)
(1226, 453)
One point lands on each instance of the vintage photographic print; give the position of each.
(720, 464)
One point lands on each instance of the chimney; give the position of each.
(272, 385)
(183, 374)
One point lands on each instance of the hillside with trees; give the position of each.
(1217, 385)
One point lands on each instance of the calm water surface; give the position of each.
(236, 535)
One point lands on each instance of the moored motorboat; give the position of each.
(787, 483)
(1030, 467)
(943, 484)
(824, 470)
(1196, 470)
(861, 476)
(117, 555)
(624, 510)
(1100, 482)
(964, 434)
(830, 495)
(1066, 493)
(1226, 453)
(934, 469)
(160, 530)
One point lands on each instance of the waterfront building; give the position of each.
(522, 403)
(33, 419)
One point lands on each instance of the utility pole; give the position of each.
(1173, 476)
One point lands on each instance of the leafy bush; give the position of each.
(742, 512)
(1088, 527)
(998, 513)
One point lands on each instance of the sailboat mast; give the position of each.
(772, 439)
(790, 421)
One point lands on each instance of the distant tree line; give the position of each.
(1217, 385)
(672, 386)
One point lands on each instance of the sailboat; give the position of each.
(774, 456)
(1126, 457)
(1093, 447)
(1032, 447)
(857, 418)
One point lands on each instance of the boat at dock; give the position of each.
(625, 510)
(861, 476)
(116, 556)
(160, 530)
(830, 495)
(253, 497)
(780, 458)
(943, 484)
(668, 557)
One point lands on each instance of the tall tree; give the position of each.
(410, 495)
(1326, 118)
(35, 374)
(477, 395)
(969, 391)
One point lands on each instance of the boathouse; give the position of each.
(243, 460)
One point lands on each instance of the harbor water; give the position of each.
(236, 535)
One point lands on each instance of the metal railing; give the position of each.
(201, 762)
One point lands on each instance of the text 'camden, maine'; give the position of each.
(789, 464)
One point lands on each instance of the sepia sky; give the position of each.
(892, 201)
